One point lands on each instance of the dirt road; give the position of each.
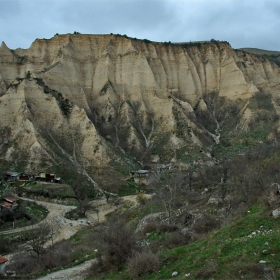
(70, 227)
(56, 215)
(79, 272)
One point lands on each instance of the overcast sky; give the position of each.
(243, 23)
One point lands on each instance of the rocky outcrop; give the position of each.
(94, 99)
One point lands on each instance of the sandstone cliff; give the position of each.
(96, 100)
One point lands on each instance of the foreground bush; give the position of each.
(61, 254)
(206, 224)
(177, 239)
(116, 242)
(142, 264)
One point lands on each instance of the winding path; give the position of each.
(56, 214)
(74, 273)
(70, 227)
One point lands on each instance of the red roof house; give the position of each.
(9, 202)
(10, 199)
(3, 261)
(5, 205)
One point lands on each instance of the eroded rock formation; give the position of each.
(96, 100)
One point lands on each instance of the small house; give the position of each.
(3, 261)
(12, 176)
(25, 177)
(4, 205)
(48, 177)
(9, 203)
(143, 177)
(41, 177)
(11, 199)
(163, 167)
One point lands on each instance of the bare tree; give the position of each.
(84, 205)
(38, 238)
(109, 188)
(83, 192)
(171, 192)
(54, 228)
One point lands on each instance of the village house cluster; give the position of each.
(42, 176)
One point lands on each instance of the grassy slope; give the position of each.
(232, 252)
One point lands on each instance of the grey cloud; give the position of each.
(117, 16)
(244, 23)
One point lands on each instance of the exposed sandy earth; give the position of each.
(56, 214)
(70, 227)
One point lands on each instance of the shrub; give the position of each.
(117, 242)
(26, 265)
(150, 227)
(250, 270)
(208, 270)
(163, 227)
(56, 256)
(65, 106)
(141, 198)
(205, 224)
(142, 264)
(205, 273)
(177, 239)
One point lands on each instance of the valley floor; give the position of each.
(69, 228)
